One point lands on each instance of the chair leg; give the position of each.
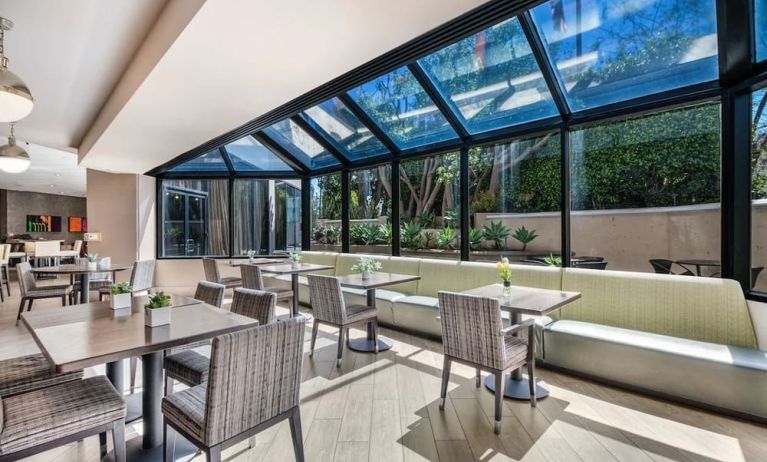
(315, 328)
(214, 454)
(101, 297)
(103, 450)
(341, 333)
(31, 300)
(8, 279)
(531, 378)
(478, 380)
(168, 385)
(169, 442)
(118, 439)
(133, 370)
(297, 435)
(498, 401)
(252, 442)
(445, 380)
(21, 309)
(63, 300)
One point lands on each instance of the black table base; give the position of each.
(518, 388)
(367, 344)
(135, 452)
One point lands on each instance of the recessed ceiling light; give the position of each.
(53, 186)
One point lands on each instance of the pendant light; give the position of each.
(13, 159)
(15, 98)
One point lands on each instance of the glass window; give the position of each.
(760, 28)
(253, 225)
(430, 208)
(400, 106)
(645, 193)
(607, 51)
(300, 144)
(287, 215)
(492, 78)
(326, 212)
(334, 120)
(759, 191)
(370, 210)
(195, 218)
(515, 200)
(209, 162)
(248, 155)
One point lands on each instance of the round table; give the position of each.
(83, 272)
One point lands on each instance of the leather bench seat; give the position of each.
(709, 374)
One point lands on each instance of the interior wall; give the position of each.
(18, 204)
(121, 208)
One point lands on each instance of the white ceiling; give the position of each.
(52, 171)
(71, 54)
(208, 67)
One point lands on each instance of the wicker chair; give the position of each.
(329, 307)
(30, 373)
(191, 367)
(473, 334)
(253, 279)
(31, 292)
(46, 418)
(212, 274)
(141, 278)
(245, 393)
(5, 275)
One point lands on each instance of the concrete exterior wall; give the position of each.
(19, 204)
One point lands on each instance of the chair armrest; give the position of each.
(527, 324)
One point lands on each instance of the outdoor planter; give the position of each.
(154, 317)
(119, 301)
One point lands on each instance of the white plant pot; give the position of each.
(93, 265)
(252, 259)
(366, 274)
(154, 317)
(120, 301)
(295, 264)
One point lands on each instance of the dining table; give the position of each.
(369, 284)
(295, 270)
(699, 263)
(255, 261)
(83, 273)
(91, 334)
(519, 301)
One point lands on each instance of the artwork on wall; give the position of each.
(43, 224)
(78, 225)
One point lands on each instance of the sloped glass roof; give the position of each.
(492, 79)
(760, 28)
(334, 121)
(209, 162)
(300, 144)
(248, 155)
(607, 51)
(401, 107)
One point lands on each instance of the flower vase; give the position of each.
(252, 259)
(295, 264)
(506, 289)
(366, 275)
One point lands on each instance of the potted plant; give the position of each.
(367, 265)
(295, 259)
(120, 296)
(504, 271)
(157, 310)
(524, 236)
(93, 261)
(251, 255)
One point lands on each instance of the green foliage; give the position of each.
(475, 239)
(496, 232)
(425, 219)
(92, 257)
(484, 201)
(524, 236)
(410, 236)
(446, 239)
(328, 235)
(452, 217)
(551, 260)
(369, 234)
(120, 288)
(428, 239)
(158, 300)
(365, 264)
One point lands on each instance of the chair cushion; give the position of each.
(356, 313)
(50, 413)
(49, 292)
(230, 282)
(281, 292)
(188, 367)
(187, 409)
(27, 373)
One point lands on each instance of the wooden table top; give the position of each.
(287, 268)
(376, 279)
(256, 261)
(75, 337)
(527, 300)
(79, 269)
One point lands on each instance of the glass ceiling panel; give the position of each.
(607, 51)
(209, 162)
(760, 28)
(492, 78)
(334, 119)
(300, 144)
(248, 155)
(400, 106)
